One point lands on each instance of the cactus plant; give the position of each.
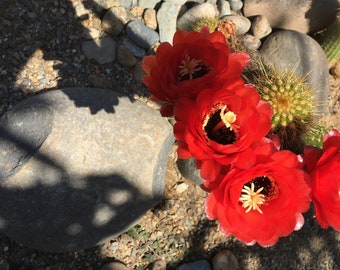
(211, 23)
(330, 41)
(291, 100)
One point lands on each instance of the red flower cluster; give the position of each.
(257, 192)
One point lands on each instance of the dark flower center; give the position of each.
(219, 125)
(191, 68)
(259, 191)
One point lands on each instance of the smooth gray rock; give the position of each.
(141, 34)
(305, 16)
(102, 50)
(236, 5)
(251, 42)
(196, 265)
(16, 148)
(133, 47)
(223, 7)
(260, 27)
(96, 174)
(167, 21)
(287, 50)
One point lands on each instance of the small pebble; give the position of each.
(114, 266)
(225, 260)
(261, 27)
(159, 265)
(251, 42)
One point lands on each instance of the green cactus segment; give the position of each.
(211, 23)
(314, 135)
(330, 42)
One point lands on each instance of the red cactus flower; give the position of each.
(263, 203)
(194, 61)
(219, 126)
(324, 168)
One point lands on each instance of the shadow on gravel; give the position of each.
(45, 37)
(310, 248)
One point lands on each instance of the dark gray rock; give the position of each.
(305, 16)
(196, 265)
(125, 57)
(114, 266)
(16, 148)
(96, 174)
(187, 168)
(102, 50)
(287, 50)
(133, 47)
(141, 34)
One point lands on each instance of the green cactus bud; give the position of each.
(330, 41)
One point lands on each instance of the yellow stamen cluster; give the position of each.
(252, 199)
(189, 66)
(228, 118)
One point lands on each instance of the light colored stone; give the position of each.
(260, 27)
(251, 42)
(95, 175)
(147, 3)
(106, 4)
(242, 23)
(167, 19)
(236, 5)
(205, 10)
(223, 8)
(150, 18)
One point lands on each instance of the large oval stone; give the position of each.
(305, 16)
(292, 50)
(101, 167)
